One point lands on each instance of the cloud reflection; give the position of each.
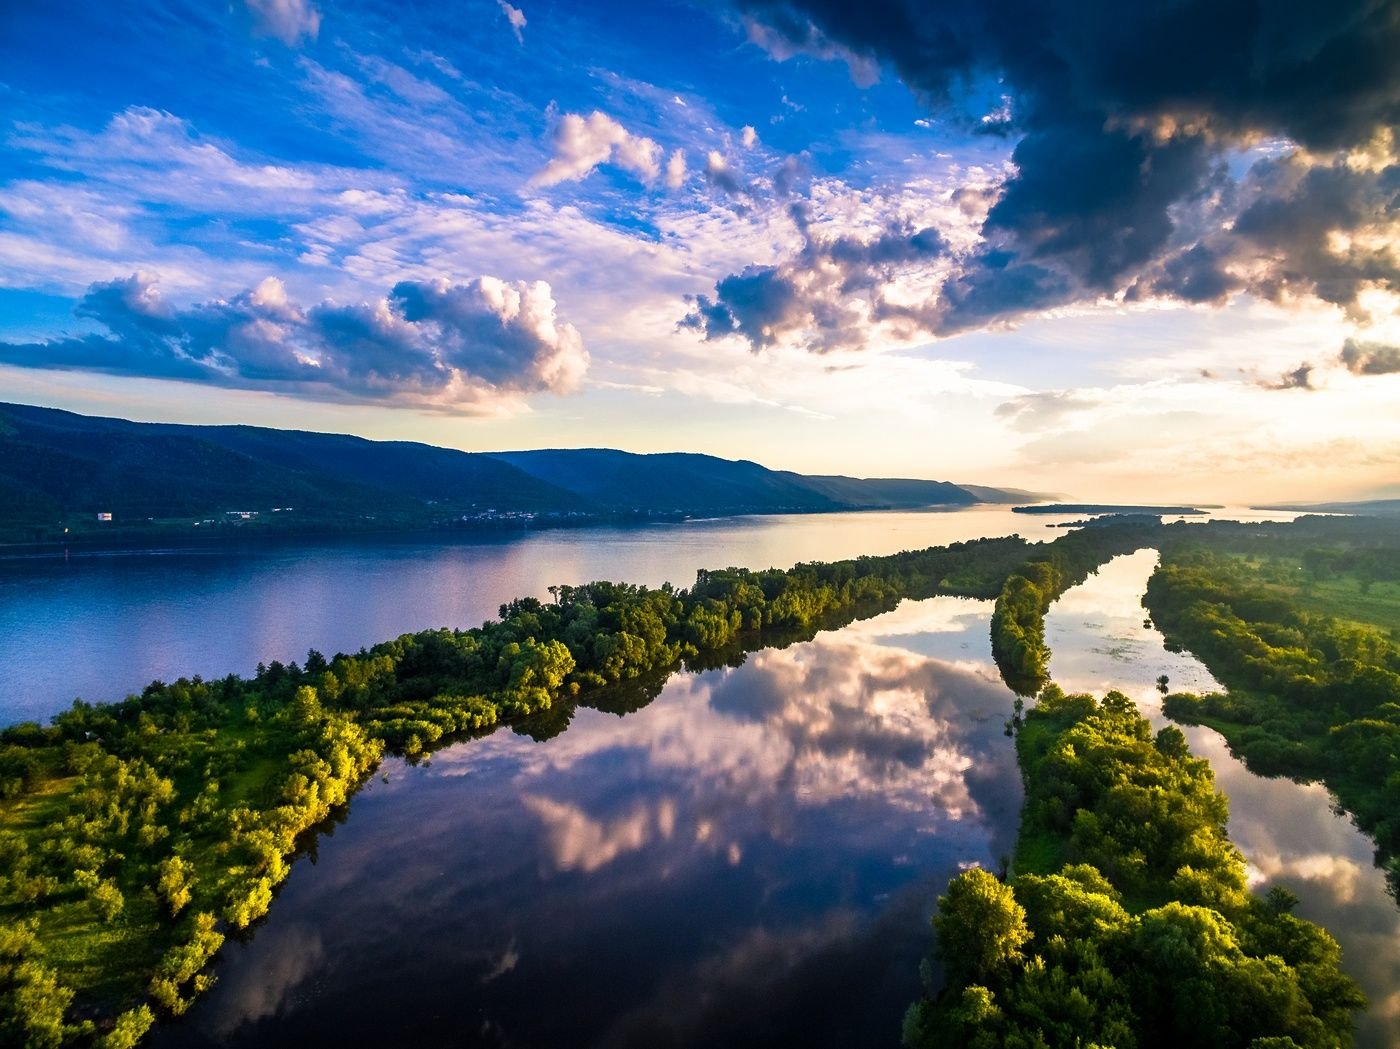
(757, 835)
(853, 718)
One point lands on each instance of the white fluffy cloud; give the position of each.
(288, 20)
(473, 347)
(582, 143)
(516, 18)
(675, 170)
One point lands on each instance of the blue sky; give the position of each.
(825, 241)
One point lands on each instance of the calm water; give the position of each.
(101, 626)
(749, 859)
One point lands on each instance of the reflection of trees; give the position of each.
(547, 724)
(628, 696)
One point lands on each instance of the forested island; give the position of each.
(1108, 508)
(1128, 922)
(137, 835)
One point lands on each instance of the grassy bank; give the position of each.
(1308, 644)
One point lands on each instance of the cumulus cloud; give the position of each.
(516, 18)
(582, 143)
(721, 176)
(832, 294)
(1045, 409)
(1121, 182)
(467, 347)
(675, 170)
(748, 136)
(1370, 358)
(287, 20)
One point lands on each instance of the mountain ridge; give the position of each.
(60, 469)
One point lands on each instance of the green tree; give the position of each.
(981, 928)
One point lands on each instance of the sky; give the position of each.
(1145, 252)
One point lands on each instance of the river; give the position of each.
(1290, 833)
(101, 625)
(749, 858)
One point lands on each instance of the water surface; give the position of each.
(750, 859)
(99, 626)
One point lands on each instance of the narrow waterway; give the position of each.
(1290, 833)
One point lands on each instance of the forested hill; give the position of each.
(59, 470)
(610, 479)
(704, 483)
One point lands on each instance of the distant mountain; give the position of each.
(1005, 495)
(60, 470)
(685, 481)
(887, 492)
(1366, 507)
(73, 463)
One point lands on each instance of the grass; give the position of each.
(107, 963)
(1039, 849)
(1343, 597)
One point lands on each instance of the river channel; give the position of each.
(742, 856)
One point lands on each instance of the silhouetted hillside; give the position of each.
(887, 492)
(669, 480)
(59, 470)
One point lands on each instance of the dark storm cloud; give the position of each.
(1319, 224)
(810, 292)
(1127, 116)
(1300, 378)
(434, 343)
(1323, 74)
(1370, 358)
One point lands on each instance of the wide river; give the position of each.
(745, 856)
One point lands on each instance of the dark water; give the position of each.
(751, 859)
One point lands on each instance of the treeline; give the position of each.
(1310, 696)
(1128, 923)
(134, 836)
(422, 688)
(1018, 621)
